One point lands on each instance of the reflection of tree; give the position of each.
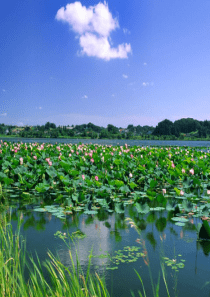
(161, 224)
(173, 231)
(117, 235)
(204, 238)
(40, 224)
(102, 214)
(120, 221)
(30, 222)
(151, 238)
(151, 217)
(205, 245)
(141, 224)
(89, 220)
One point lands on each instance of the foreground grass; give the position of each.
(63, 281)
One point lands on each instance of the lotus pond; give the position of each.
(142, 208)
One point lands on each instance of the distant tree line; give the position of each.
(164, 130)
(185, 126)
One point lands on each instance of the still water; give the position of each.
(130, 142)
(107, 233)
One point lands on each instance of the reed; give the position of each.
(62, 281)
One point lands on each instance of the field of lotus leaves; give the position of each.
(87, 178)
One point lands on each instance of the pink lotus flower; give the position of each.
(164, 191)
(181, 193)
(50, 163)
(132, 156)
(130, 175)
(191, 171)
(15, 151)
(83, 177)
(183, 170)
(21, 161)
(208, 192)
(35, 157)
(96, 177)
(92, 160)
(172, 165)
(69, 155)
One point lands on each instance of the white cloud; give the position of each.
(94, 25)
(85, 97)
(146, 84)
(20, 124)
(145, 64)
(125, 76)
(40, 107)
(3, 90)
(113, 95)
(126, 31)
(3, 114)
(117, 120)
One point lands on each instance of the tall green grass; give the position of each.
(20, 277)
(62, 281)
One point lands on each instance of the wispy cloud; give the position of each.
(117, 120)
(84, 97)
(94, 25)
(126, 31)
(125, 75)
(3, 90)
(3, 114)
(132, 83)
(145, 64)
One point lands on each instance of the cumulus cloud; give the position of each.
(93, 24)
(3, 114)
(125, 76)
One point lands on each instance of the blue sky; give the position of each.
(115, 62)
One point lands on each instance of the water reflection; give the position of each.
(107, 232)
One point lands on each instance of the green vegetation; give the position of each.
(63, 281)
(22, 276)
(96, 178)
(183, 129)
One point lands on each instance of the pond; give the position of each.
(130, 142)
(173, 232)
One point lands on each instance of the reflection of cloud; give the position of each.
(94, 25)
(97, 237)
(125, 76)
(3, 114)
